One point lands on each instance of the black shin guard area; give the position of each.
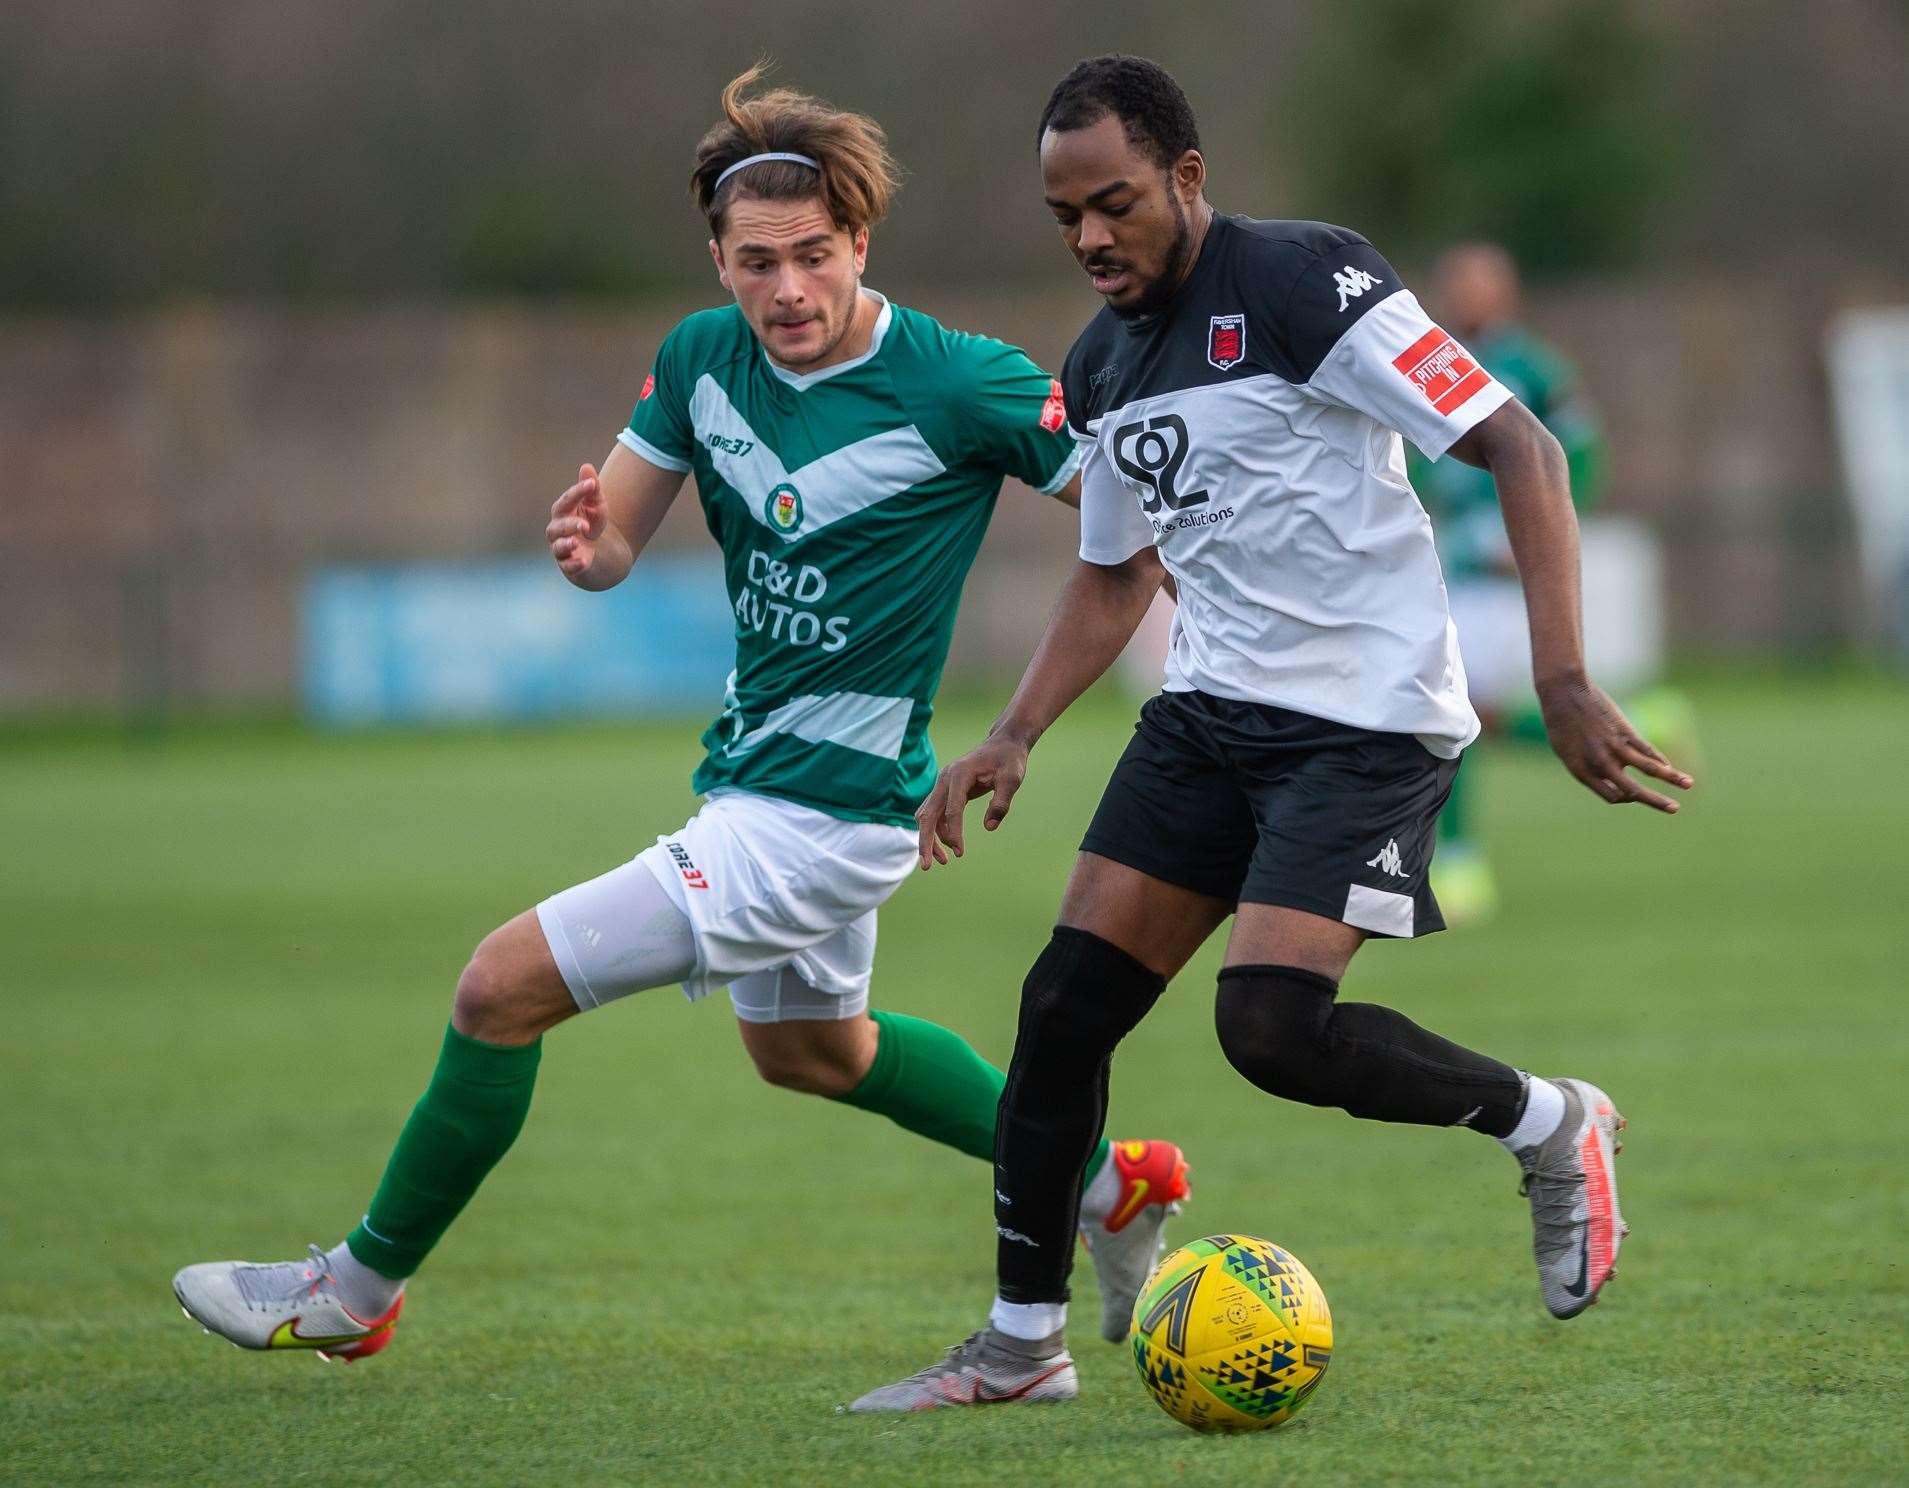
(1281, 1028)
(1080, 1000)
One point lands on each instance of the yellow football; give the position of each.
(1231, 1333)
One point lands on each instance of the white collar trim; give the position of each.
(799, 381)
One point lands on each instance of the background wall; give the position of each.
(284, 285)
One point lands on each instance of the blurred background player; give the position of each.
(847, 454)
(1476, 295)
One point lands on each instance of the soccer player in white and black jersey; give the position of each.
(1241, 398)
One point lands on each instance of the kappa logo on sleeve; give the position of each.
(1351, 283)
(649, 386)
(1054, 410)
(1441, 369)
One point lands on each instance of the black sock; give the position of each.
(1282, 1030)
(1082, 997)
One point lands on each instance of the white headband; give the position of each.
(814, 165)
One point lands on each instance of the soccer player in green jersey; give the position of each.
(1476, 293)
(847, 453)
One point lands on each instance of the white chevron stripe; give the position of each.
(855, 720)
(839, 484)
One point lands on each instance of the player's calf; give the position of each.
(1083, 996)
(1280, 1027)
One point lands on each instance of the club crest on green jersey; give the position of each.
(783, 509)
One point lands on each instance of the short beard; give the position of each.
(1157, 291)
(841, 331)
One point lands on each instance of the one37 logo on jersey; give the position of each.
(1151, 453)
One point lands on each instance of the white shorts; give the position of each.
(1494, 638)
(766, 885)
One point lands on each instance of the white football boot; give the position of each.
(1125, 1243)
(282, 1305)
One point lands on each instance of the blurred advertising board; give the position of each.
(507, 639)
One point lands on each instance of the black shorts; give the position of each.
(1261, 805)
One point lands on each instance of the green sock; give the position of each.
(928, 1080)
(466, 1120)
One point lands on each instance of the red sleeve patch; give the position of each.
(649, 386)
(1054, 410)
(1442, 369)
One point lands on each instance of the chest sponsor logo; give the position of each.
(1054, 410)
(1441, 369)
(780, 601)
(796, 503)
(1351, 283)
(1226, 341)
(1152, 454)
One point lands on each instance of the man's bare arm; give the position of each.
(1099, 609)
(599, 526)
(1589, 733)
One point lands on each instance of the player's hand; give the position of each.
(1598, 745)
(998, 766)
(576, 522)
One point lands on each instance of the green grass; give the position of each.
(228, 956)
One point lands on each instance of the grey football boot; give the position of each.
(1571, 1180)
(989, 1368)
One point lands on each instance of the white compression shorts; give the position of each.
(772, 899)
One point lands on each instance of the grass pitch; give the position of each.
(227, 960)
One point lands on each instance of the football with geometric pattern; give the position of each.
(1231, 1333)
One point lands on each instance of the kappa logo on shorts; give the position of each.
(692, 875)
(1388, 860)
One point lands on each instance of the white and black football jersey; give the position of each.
(1251, 432)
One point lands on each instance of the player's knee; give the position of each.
(1272, 1024)
(1081, 998)
(493, 1001)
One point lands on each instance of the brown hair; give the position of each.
(858, 175)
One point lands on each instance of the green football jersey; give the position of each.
(849, 504)
(1462, 500)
